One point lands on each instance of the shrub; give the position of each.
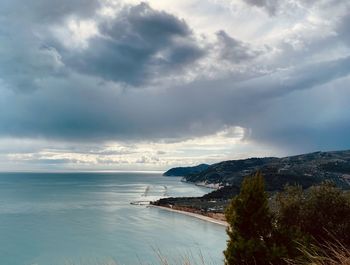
(302, 220)
(319, 215)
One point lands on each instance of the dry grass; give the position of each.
(187, 258)
(330, 254)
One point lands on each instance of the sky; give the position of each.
(130, 85)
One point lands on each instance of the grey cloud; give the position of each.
(43, 11)
(25, 57)
(49, 161)
(136, 46)
(106, 161)
(139, 42)
(271, 6)
(76, 103)
(235, 51)
(25, 61)
(304, 77)
(81, 109)
(343, 28)
(147, 159)
(277, 7)
(318, 74)
(144, 23)
(315, 119)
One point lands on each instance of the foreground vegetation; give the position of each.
(334, 255)
(330, 254)
(301, 227)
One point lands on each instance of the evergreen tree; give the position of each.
(250, 225)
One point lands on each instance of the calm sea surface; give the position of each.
(87, 218)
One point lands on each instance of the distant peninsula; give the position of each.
(185, 171)
(304, 170)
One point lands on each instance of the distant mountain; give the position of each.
(305, 170)
(185, 171)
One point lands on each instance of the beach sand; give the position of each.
(199, 216)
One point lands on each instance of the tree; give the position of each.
(320, 214)
(288, 217)
(301, 220)
(250, 226)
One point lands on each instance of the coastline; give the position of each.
(195, 215)
(214, 186)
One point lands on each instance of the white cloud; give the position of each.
(75, 33)
(39, 155)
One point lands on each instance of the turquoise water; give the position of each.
(87, 218)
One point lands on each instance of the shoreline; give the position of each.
(213, 186)
(195, 215)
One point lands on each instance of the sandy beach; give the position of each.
(199, 216)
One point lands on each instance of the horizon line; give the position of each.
(85, 171)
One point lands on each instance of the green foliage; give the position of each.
(287, 221)
(319, 215)
(301, 220)
(250, 226)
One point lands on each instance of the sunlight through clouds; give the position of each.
(226, 144)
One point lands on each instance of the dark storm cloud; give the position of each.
(314, 119)
(26, 57)
(81, 109)
(87, 94)
(24, 60)
(138, 44)
(299, 78)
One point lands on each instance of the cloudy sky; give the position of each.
(129, 85)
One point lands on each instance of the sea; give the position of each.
(88, 219)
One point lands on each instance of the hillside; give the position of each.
(184, 171)
(305, 170)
